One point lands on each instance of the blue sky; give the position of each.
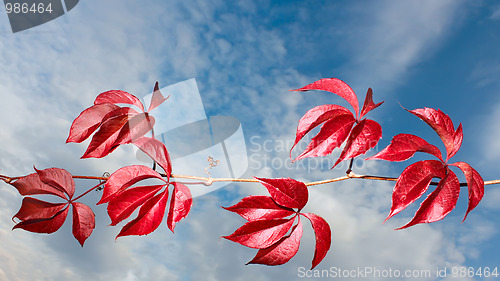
(245, 56)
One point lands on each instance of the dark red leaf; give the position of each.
(126, 202)
(44, 225)
(32, 209)
(439, 203)
(323, 237)
(335, 86)
(149, 218)
(83, 222)
(262, 233)
(287, 192)
(413, 182)
(103, 140)
(332, 134)
(125, 177)
(180, 204)
(157, 98)
(254, 208)
(32, 185)
(157, 151)
(136, 127)
(282, 251)
(117, 96)
(442, 124)
(59, 179)
(88, 121)
(475, 183)
(369, 105)
(404, 146)
(314, 117)
(364, 135)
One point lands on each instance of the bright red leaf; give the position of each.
(118, 96)
(369, 105)
(59, 179)
(282, 251)
(136, 127)
(287, 192)
(439, 203)
(83, 222)
(34, 209)
(261, 234)
(157, 151)
(102, 142)
(404, 146)
(475, 184)
(157, 98)
(32, 185)
(180, 204)
(44, 225)
(88, 121)
(323, 237)
(254, 208)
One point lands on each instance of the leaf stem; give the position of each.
(86, 192)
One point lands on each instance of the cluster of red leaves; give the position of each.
(268, 225)
(338, 123)
(416, 178)
(44, 217)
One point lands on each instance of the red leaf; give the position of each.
(125, 177)
(287, 192)
(58, 178)
(136, 127)
(315, 117)
(32, 209)
(364, 135)
(439, 203)
(335, 86)
(404, 146)
(475, 183)
(282, 251)
(369, 105)
(442, 124)
(103, 140)
(323, 237)
(413, 182)
(332, 134)
(262, 233)
(117, 96)
(180, 204)
(88, 121)
(44, 225)
(83, 222)
(157, 151)
(254, 208)
(32, 185)
(149, 218)
(126, 202)
(157, 98)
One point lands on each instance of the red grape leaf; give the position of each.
(83, 222)
(262, 233)
(59, 179)
(404, 146)
(44, 225)
(126, 202)
(286, 192)
(323, 237)
(413, 182)
(33, 209)
(118, 96)
(439, 203)
(157, 151)
(332, 134)
(315, 117)
(369, 105)
(180, 204)
(88, 121)
(442, 124)
(125, 177)
(32, 185)
(364, 135)
(282, 251)
(475, 183)
(157, 98)
(254, 208)
(136, 127)
(149, 217)
(335, 86)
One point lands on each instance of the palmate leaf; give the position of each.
(287, 192)
(180, 204)
(157, 151)
(475, 184)
(323, 236)
(254, 208)
(404, 146)
(83, 221)
(88, 121)
(261, 234)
